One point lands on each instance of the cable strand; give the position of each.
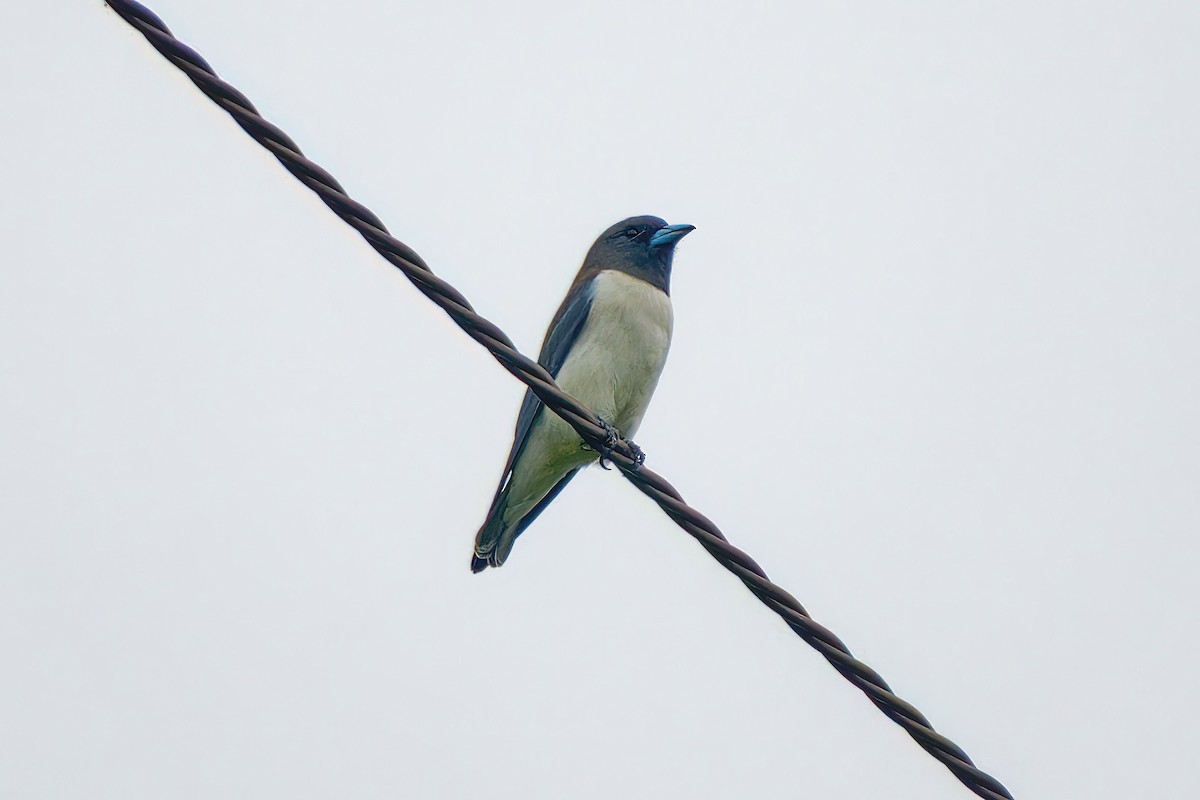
(533, 375)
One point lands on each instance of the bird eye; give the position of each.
(632, 232)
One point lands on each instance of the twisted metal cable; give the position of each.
(542, 384)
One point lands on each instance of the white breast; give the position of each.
(615, 364)
(613, 368)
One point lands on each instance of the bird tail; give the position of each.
(491, 534)
(495, 539)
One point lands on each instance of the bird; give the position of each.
(606, 346)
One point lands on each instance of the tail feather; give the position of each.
(491, 534)
(486, 554)
(492, 549)
(495, 539)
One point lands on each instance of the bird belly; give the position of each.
(614, 366)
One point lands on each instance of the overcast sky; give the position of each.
(936, 366)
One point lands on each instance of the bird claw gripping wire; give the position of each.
(639, 455)
(611, 437)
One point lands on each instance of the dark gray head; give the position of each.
(641, 246)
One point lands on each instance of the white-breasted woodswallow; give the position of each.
(606, 346)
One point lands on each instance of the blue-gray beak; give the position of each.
(668, 236)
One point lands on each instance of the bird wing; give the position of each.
(495, 538)
(564, 329)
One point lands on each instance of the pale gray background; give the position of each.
(935, 367)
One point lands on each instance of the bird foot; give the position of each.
(611, 437)
(639, 455)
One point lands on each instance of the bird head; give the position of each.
(642, 246)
